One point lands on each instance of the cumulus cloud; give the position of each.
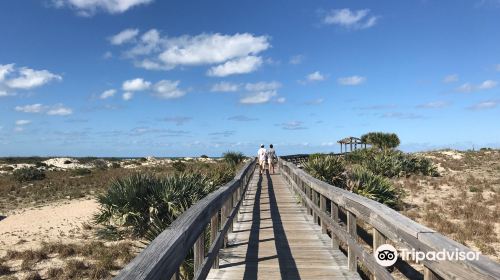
(240, 65)
(90, 7)
(315, 76)
(351, 19)
(225, 87)
(484, 105)
(107, 93)
(259, 97)
(127, 95)
(34, 108)
(231, 54)
(126, 35)
(450, 79)
(137, 84)
(53, 110)
(24, 78)
(168, 89)
(485, 85)
(351, 81)
(22, 122)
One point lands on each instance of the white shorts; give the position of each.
(270, 161)
(262, 163)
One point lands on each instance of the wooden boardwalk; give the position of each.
(274, 238)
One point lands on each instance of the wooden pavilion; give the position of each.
(351, 141)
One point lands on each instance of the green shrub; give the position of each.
(6, 168)
(220, 174)
(233, 158)
(381, 140)
(203, 156)
(115, 165)
(363, 182)
(179, 166)
(390, 163)
(28, 174)
(81, 171)
(329, 169)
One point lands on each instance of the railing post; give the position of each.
(335, 217)
(322, 206)
(229, 209)
(429, 274)
(378, 239)
(315, 202)
(199, 252)
(223, 215)
(351, 229)
(214, 229)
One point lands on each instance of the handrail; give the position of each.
(163, 256)
(387, 224)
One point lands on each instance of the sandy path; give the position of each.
(60, 221)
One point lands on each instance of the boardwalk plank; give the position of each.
(273, 238)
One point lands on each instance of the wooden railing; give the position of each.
(164, 255)
(339, 212)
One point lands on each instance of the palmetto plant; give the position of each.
(330, 169)
(363, 182)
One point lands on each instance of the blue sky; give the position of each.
(185, 78)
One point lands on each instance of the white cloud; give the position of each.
(262, 86)
(107, 93)
(5, 69)
(127, 96)
(34, 108)
(351, 81)
(450, 79)
(359, 19)
(258, 97)
(212, 48)
(125, 36)
(240, 65)
(24, 78)
(315, 76)
(22, 122)
(233, 54)
(137, 84)
(225, 87)
(488, 84)
(168, 89)
(293, 125)
(490, 104)
(59, 110)
(54, 110)
(90, 7)
(485, 85)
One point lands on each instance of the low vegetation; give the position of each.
(28, 174)
(233, 158)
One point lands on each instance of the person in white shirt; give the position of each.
(271, 157)
(261, 155)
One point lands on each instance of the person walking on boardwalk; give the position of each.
(271, 158)
(261, 155)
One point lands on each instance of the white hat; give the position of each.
(262, 145)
